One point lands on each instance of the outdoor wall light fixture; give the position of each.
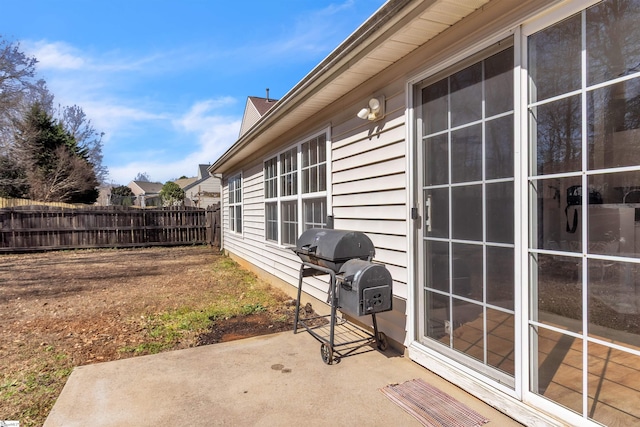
(375, 110)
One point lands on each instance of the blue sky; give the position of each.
(167, 81)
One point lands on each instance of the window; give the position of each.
(235, 204)
(271, 193)
(289, 172)
(295, 190)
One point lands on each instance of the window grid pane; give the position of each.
(467, 162)
(271, 221)
(289, 222)
(314, 165)
(289, 172)
(232, 221)
(584, 173)
(271, 178)
(239, 219)
(315, 213)
(235, 206)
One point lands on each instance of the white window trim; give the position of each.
(299, 197)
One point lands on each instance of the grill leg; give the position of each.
(297, 316)
(375, 328)
(334, 307)
(381, 339)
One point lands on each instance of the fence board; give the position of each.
(35, 227)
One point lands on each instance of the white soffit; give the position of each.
(438, 17)
(435, 19)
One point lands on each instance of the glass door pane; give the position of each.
(584, 196)
(467, 172)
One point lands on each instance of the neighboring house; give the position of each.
(509, 280)
(255, 108)
(104, 195)
(183, 182)
(204, 191)
(147, 193)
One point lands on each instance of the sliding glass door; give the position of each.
(466, 146)
(584, 199)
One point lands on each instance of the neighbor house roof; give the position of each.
(391, 33)
(183, 182)
(255, 108)
(262, 104)
(145, 187)
(203, 171)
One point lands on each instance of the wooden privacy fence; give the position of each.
(34, 228)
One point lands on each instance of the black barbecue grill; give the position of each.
(357, 285)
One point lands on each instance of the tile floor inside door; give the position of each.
(613, 375)
(613, 378)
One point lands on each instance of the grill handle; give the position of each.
(308, 249)
(347, 282)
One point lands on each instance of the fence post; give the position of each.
(213, 225)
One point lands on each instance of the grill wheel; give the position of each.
(383, 343)
(327, 354)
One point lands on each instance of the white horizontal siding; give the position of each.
(354, 129)
(368, 190)
(251, 245)
(383, 168)
(375, 198)
(377, 156)
(373, 184)
(382, 227)
(355, 144)
(392, 212)
(253, 206)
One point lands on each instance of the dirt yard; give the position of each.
(64, 309)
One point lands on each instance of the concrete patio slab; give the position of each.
(273, 380)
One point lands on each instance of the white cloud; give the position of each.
(213, 133)
(57, 55)
(96, 85)
(114, 118)
(197, 118)
(62, 56)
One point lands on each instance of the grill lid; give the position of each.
(332, 248)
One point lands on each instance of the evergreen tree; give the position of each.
(13, 179)
(57, 168)
(122, 196)
(171, 194)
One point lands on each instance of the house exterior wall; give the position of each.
(368, 187)
(370, 167)
(369, 181)
(205, 193)
(376, 179)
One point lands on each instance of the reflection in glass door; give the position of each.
(584, 196)
(467, 175)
